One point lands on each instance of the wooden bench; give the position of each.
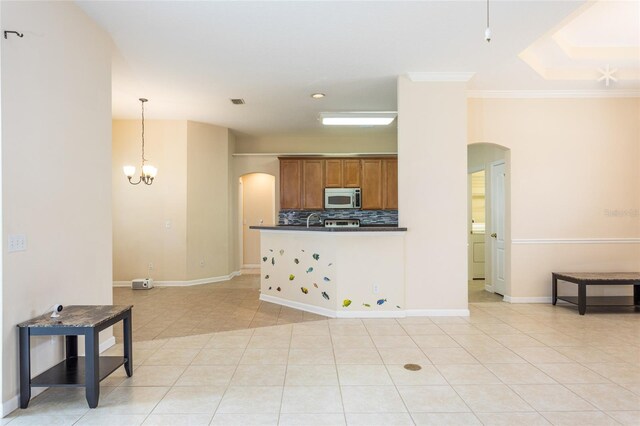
(583, 279)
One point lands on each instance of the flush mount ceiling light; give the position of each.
(318, 95)
(366, 118)
(148, 172)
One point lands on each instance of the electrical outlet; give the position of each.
(151, 266)
(376, 289)
(17, 242)
(167, 224)
(202, 263)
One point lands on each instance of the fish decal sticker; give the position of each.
(325, 295)
(266, 277)
(310, 269)
(366, 304)
(381, 301)
(264, 259)
(346, 303)
(330, 264)
(271, 250)
(326, 279)
(316, 256)
(315, 285)
(304, 290)
(296, 261)
(398, 307)
(281, 252)
(273, 260)
(269, 288)
(279, 289)
(292, 277)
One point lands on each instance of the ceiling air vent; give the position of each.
(237, 101)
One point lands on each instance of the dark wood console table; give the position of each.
(75, 371)
(583, 279)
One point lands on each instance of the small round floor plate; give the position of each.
(412, 367)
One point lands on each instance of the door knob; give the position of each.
(494, 235)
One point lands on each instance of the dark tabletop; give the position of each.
(601, 276)
(78, 316)
(303, 228)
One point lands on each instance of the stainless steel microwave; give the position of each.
(342, 198)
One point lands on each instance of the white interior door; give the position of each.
(497, 227)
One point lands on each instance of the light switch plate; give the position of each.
(17, 242)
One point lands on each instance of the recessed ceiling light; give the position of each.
(368, 118)
(318, 95)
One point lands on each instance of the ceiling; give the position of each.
(190, 58)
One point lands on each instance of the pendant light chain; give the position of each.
(142, 100)
(148, 172)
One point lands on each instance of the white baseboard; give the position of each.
(297, 305)
(251, 266)
(437, 312)
(183, 283)
(545, 299)
(13, 404)
(371, 314)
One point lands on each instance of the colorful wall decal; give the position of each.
(266, 277)
(264, 259)
(327, 279)
(366, 304)
(273, 260)
(279, 289)
(316, 256)
(281, 252)
(292, 277)
(310, 269)
(315, 285)
(304, 290)
(381, 301)
(296, 261)
(325, 295)
(346, 303)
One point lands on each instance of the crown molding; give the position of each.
(440, 76)
(542, 94)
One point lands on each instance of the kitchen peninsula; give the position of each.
(337, 272)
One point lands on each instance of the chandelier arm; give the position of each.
(134, 183)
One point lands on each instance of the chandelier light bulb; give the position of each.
(149, 170)
(487, 34)
(129, 171)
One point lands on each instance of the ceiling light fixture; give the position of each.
(318, 95)
(487, 32)
(365, 118)
(148, 172)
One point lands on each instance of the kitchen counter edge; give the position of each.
(325, 229)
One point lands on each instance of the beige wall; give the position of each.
(258, 208)
(181, 223)
(141, 213)
(208, 249)
(331, 140)
(56, 171)
(432, 186)
(574, 178)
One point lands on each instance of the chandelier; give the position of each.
(148, 172)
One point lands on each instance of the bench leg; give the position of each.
(128, 347)
(636, 294)
(582, 298)
(92, 367)
(554, 289)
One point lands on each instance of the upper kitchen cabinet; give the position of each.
(290, 183)
(371, 184)
(390, 184)
(342, 173)
(313, 184)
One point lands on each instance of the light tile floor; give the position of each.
(506, 364)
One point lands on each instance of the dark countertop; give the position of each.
(370, 228)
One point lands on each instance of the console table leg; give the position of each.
(582, 298)
(636, 294)
(554, 289)
(128, 347)
(71, 346)
(92, 367)
(25, 367)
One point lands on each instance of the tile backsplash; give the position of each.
(367, 217)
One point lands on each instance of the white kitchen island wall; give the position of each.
(337, 274)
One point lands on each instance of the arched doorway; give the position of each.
(258, 207)
(488, 168)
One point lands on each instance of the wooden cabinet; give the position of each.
(333, 173)
(290, 184)
(390, 184)
(351, 173)
(342, 173)
(313, 184)
(371, 184)
(303, 180)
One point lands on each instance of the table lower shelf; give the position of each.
(601, 300)
(71, 372)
